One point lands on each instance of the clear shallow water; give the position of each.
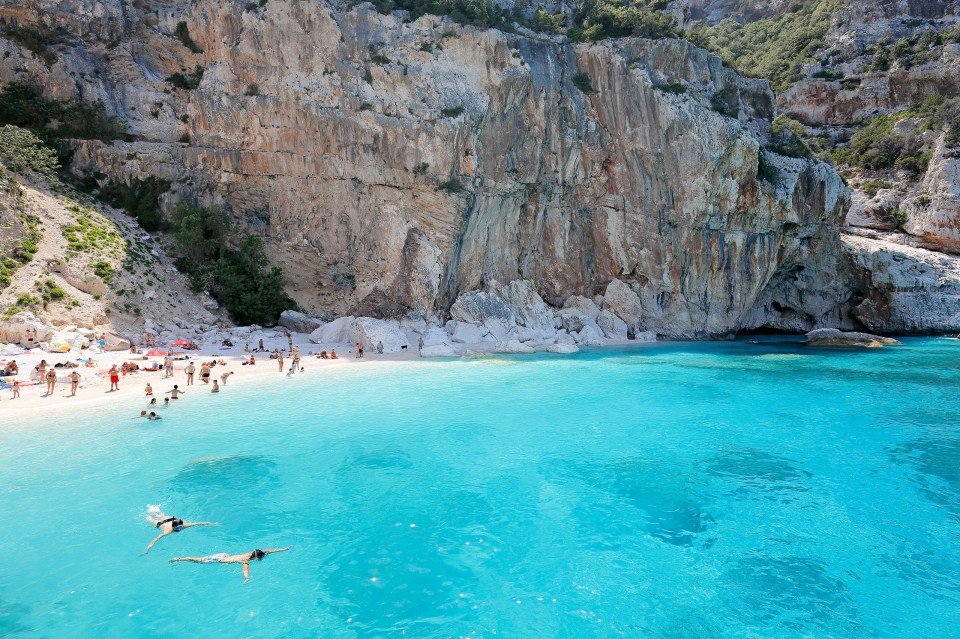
(688, 490)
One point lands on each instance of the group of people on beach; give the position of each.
(168, 525)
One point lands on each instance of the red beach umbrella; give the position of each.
(156, 353)
(180, 342)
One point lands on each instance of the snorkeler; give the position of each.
(169, 525)
(224, 558)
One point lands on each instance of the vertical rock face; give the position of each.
(400, 164)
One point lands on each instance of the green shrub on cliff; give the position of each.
(22, 105)
(21, 151)
(772, 48)
(236, 277)
(877, 145)
(599, 19)
(140, 198)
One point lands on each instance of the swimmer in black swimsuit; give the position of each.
(169, 525)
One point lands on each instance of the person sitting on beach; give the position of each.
(224, 558)
(380, 347)
(333, 353)
(133, 349)
(169, 525)
(222, 362)
(149, 390)
(11, 369)
(226, 343)
(223, 378)
(90, 363)
(216, 387)
(175, 392)
(323, 354)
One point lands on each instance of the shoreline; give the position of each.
(32, 405)
(93, 389)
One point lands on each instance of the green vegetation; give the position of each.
(236, 278)
(104, 271)
(450, 186)
(93, 234)
(673, 87)
(21, 250)
(766, 171)
(923, 201)
(724, 102)
(22, 105)
(49, 291)
(187, 82)
(140, 198)
(918, 48)
(21, 151)
(38, 39)
(878, 146)
(582, 81)
(24, 302)
(451, 113)
(183, 34)
(421, 168)
(484, 14)
(599, 19)
(787, 138)
(253, 89)
(772, 48)
(898, 217)
(873, 186)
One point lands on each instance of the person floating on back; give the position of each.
(224, 558)
(169, 525)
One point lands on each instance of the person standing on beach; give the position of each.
(205, 373)
(16, 389)
(290, 342)
(42, 369)
(167, 367)
(29, 336)
(74, 382)
(114, 379)
(190, 370)
(420, 346)
(280, 361)
(51, 381)
(359, 350)
(260, 346)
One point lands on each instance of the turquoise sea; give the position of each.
(705, 490)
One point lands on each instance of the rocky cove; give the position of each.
(473, 186)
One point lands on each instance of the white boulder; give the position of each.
(335, 332)
(573, 321)
(14, 330)
(477, 306)
(466, 333)
(583, 305)
(299, 322)
(434, 336)
(563, 349)
(623, 302)
(645, 336)
(612, 326)
(589, 336)
(369, 332)
(438, 350)
(564, 337)
(512, 346)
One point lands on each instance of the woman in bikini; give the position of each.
(224, 558)
(168, 525)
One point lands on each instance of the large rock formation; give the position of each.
(393, 166)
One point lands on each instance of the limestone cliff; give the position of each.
(393, 165)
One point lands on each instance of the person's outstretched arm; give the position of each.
(246, 571)
(199, 523)
(158, 538)
(267, 552)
